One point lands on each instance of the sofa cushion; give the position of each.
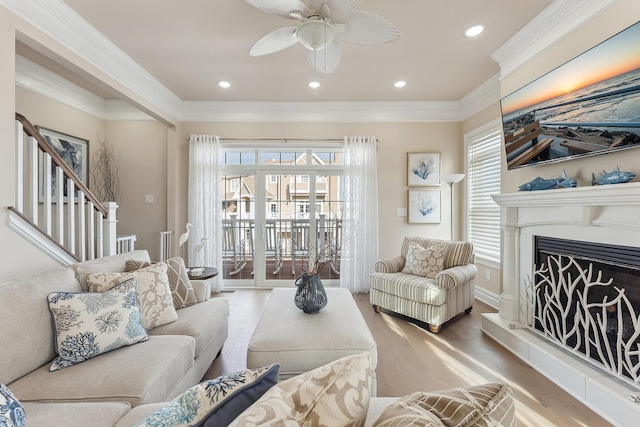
(201, 321)
(89, 324)
(409, 287)
(28, 333)
(93, 414)
(152, 288)
(336, 394)
(485, 405)
(182, 291)
(425, 262)
(109, 264)
(215, 402)
(142, 373)
(11, 411)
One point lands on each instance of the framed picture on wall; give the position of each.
(423, 206)
(74, 152)
(423, 169)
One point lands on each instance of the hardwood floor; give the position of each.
(411, 359)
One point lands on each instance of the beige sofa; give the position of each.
(101, 390)
(430, 291)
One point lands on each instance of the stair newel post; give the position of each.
(109, 228)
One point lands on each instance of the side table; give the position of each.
(207, 273)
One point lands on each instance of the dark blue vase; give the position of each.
(310, 295)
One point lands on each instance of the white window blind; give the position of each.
(483, 172)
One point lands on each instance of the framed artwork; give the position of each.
(423, 169)
(423, 206)
(74, 152)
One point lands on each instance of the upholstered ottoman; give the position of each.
(300, 342)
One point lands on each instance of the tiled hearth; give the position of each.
(602, 214)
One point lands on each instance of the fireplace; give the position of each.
(585, 297)
(560, 248)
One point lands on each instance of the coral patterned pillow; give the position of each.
(88, 324)
(425, 262)
(215, 402)
(152, 289)
(11, 411)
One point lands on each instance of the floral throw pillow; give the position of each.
(425, 262)
(215, 402)
(182, 291)
(152, 288)
(336, 395)
(11, 411)
(88, 324)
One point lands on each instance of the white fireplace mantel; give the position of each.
(604, 214)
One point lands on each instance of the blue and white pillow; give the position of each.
(88, 324)
(215, 402)
(11, 411)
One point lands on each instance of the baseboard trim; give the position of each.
(487, 297)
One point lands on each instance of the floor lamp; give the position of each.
(452, 179)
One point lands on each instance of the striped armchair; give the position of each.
(435, 283)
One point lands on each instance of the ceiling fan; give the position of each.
(324, 25)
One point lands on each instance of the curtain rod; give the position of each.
(286, 140)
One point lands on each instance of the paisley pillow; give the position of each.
(336, 394)
(425, 262)
(152, 288)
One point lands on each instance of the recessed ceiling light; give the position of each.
(400, 83)
(224, 84)
(474, 31)
(314, 85)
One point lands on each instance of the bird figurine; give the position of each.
(184, 236)
(198, 248)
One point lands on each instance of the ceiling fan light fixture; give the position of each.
(315, 35)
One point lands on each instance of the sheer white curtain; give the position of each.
(205, 176)
(360, 213)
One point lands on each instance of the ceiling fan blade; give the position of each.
(325, 60)
(275, 41)
(337, 8)
(367, 29)
(282, 8)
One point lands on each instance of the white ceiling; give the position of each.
(190, 45)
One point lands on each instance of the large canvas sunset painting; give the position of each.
(590, 105)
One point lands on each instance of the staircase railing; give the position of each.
(51, 198)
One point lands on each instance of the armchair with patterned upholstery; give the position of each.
(432, 281)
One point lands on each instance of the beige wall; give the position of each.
(616, 18)
(142, 148)
(16, 254)
(397, 139)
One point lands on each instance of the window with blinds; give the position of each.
(483, 172)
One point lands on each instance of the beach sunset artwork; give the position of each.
(590, 105)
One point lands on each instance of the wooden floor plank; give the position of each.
(410, 358)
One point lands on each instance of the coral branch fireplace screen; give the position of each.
(585, 297)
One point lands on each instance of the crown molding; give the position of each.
(38, 79)
(352, 112)
(481, 97)
(65, 26)
(559, 19)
